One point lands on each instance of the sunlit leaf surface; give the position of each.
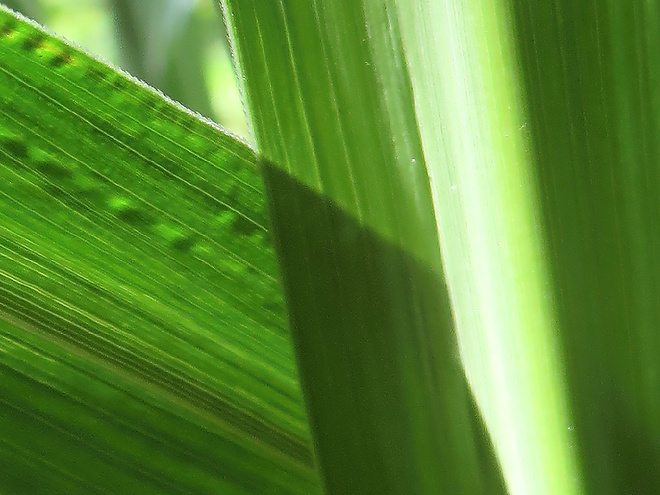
(143, 340)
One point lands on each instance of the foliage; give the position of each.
(462, 199)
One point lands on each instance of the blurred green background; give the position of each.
(177, 46)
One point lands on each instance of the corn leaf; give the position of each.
(471, 113)
(591, 75)
(538, 123)
(143, 340)
(332, 112)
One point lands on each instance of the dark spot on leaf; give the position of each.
(184, 243)
(54, 170)
(61, 59)
(135, 216)
(33, 41)
(119, 82)
(95, 72)
(7, 28)
(14, 146)
(244, 226)
(90, 194)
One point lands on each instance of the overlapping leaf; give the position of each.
(330, 101)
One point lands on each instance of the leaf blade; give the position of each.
(135, 242)
(322, 99)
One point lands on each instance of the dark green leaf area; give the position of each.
(592, 84)
(86, 429)
(388, 401)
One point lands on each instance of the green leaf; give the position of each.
(591, 77)
(330, 102)
(542, 117)
(471, 113)
(143, 340)
(389, 405)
